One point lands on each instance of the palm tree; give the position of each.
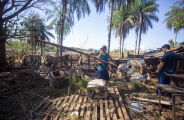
(35, 28)
(54, 16)
(144, 12)
(68, 9)
(122, 21)
(100, 6)
(175, 19)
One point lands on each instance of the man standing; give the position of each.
(167, 66)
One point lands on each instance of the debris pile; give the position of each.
(134, 69)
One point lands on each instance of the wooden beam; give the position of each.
(67, 48)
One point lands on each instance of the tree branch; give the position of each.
(10, 8)
(3, 3)
(19, 11)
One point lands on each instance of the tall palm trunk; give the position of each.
(140, 35)
(175, 36)
(62, 24)
(123, 47)
(136, 41)
(120, 52)
(110, 25)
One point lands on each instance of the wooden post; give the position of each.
(173, 107)
(81, 63)
(160, 107)
(70, 82)
(71, 61)
(89, 64)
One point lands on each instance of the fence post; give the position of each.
(70, 79)
(89, 64)
(70, 82)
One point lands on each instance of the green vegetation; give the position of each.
(175, 18)
(171, 43)
(79, 84)
(18, 49)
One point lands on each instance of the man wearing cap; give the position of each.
(103, 67)
(167, 66)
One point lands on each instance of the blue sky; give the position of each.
(91, 31)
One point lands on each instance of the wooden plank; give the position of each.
(107, 110)
(59, 101)
(171, 88)
(112, 109)
(49, 111)
(126, 116)
(73, 103)
(101, 110)
(94, 114)
(88, 111)
(68, 103)
(64, 103)
(61, 107)
(45, 106)
(48, 114)
(152, 101)
(79, 103)
(38, 107)
(83, 106)
(117, 106)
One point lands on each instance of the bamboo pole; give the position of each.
(67, 48)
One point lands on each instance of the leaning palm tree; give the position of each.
(122, 22)
(70, 8)
(144, 12)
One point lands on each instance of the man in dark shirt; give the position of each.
(167, 65)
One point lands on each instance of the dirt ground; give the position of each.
(19, 100)
(151, 110)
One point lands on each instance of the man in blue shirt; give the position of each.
(167, 66)
(103, 67)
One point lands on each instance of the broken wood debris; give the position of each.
(87, 108)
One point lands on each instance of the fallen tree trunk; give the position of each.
(67, 48)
